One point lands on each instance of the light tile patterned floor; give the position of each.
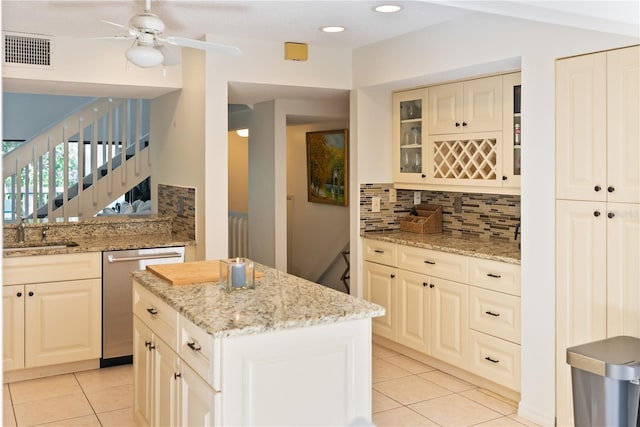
(405, 393)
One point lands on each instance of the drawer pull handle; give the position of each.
(492, 314)
(491, 360)
(152, 311)
(378, 251)
(194, 346)
(495, 276)
(430, 262)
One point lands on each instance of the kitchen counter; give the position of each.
(279, 301)
(493, 249)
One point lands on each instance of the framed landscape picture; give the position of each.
(327, 166)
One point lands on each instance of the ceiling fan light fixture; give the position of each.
(332, 29)
(387, 8)
(144, 56)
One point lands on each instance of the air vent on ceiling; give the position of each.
(27, 50)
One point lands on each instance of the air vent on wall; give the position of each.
(27, 50)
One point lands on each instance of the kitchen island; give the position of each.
(289, 352)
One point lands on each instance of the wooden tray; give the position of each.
(187, 273)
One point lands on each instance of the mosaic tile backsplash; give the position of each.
(487, 216)
(179, 202)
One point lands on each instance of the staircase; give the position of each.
(80, 165)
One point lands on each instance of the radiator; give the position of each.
(238, 236)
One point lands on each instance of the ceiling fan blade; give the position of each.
(170, 56)
(198, 44)
(115, 24)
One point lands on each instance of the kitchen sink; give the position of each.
(38, 246)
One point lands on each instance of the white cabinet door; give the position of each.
(511, 130)
(380, 288)
(581, 143)
(623, 269)
(449, 321)
(199, 404)
(13, 327)
(165, 384)
(623, 126)
(409, 135)
(142, 372)
(63, 322)
(413, 310)
(469, 106)
(581, 288)
(482, 108)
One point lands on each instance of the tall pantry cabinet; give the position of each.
(597, 205)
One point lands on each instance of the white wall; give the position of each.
(470, 46)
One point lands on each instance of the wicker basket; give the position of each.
(428, 220)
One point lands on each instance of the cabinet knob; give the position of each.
(457, 124)
(177, 375)
(597, 188)
(611, 214)
(424, 176)
(611, 189)
(30, 293)
(393, 276)
(504, 177)
(432, 286)
(464, 124)
(596, 213)
(147, 344)
(425, 284)
(19, 294)
(152, 347)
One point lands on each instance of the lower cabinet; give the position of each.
(462, 310)
(52, 321)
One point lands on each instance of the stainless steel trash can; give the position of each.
(605, 380)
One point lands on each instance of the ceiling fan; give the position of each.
(149, 50)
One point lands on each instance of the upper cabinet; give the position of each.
(464, 134)
(597, 127)
(466, 107)
(409, 128)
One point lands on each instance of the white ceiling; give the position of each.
(300, 20)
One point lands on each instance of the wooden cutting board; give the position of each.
(187, 273)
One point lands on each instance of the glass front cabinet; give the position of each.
(409, 128)
(467, 159)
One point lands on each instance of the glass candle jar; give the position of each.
(237, 273)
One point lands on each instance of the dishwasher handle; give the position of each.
(113, 259)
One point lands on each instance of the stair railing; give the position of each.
(59, 155)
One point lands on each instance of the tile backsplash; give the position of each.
(179, 202)
(483, 215)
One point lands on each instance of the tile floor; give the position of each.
(405, 393)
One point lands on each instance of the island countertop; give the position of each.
(279, 301)
(493, 249)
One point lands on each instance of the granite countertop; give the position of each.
(493, 249)
(279, 301)
(102, 243)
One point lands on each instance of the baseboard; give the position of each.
(538, 417)
(49, 371)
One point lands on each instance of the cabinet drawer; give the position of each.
(494, 313)
(380, 252)
(51, 268)
(434, 263)
(156, 314)
(495, 275)
(201, 351)
(495, 359)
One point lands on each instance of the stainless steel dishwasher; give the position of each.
(117, 315)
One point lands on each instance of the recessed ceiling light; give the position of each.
(332, 29)
(387, 8)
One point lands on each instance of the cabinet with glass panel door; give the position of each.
(511, 131)
(409, 131)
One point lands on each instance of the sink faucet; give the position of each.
(44, 233)
(20, 233)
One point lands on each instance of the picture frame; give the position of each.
(328, 167)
